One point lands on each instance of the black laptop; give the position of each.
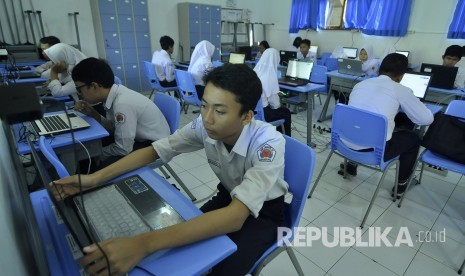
(124, 208)
(443, 76)
(297, 73)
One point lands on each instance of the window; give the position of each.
(334, 14)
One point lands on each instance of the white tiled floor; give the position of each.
(437, 204)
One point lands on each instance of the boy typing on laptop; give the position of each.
(246, 155)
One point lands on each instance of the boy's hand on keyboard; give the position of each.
(84, 108)
(123, 255)
(70, 185)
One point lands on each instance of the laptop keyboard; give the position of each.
(53, 123)
(111, 215)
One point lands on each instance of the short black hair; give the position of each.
(50, 40)
(265, 44)
(394, 65)
(453, 51)
(240, 80)
(297, 41)
(96, 70)
(166, 42)
(305, 41)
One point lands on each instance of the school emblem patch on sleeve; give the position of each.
(120, 118)
(266, 153)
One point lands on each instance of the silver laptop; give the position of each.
(350, 67)
(418, 82)
(125, 208)
(236, 58)
(350, 52)
(55, 124)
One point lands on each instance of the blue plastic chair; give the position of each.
(455, 108)
(171, 109)
(153, 80)
(49, 153)
(260, 115)
(297, 156)
(319, 76)
(323, 57)
(366, 129)
(186, 88)
(331, 64)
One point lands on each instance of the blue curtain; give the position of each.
(388, 18)
(356, 13)
(306, 14)
(457, 26)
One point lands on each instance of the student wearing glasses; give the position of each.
(132, 119)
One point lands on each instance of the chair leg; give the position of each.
(319, 97)
(294, 261)
(410, 180)
(461, 268)
(167, 176)
(282, 127)
(320, 174)
(183, 186)
(151, 93)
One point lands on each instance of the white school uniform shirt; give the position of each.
(164, 67)
(131, 117)
(267, 71)
(64, 86)
(253, 172)
(201, 61)
(384, 96)
(310, 56)
(460, 78)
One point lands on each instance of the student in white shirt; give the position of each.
(133, 120)
(64, 58)
(267, 71)
(370, 64)
(200, 64)
(304, 51)
(164, 66)
(451, 56)
(45, 43)
(385, 95)
(246, 155)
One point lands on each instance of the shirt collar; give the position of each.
(242, 143)
(111, 96)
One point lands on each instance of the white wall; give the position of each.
(429, 22)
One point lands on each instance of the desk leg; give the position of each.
(310, 99)
(323, 116)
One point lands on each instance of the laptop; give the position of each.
(405, 53)
(126, 207)
(350, 52)
(313, 51)
(58, 123)
(350, 67)
(298, 73)
(247, 51)
(443, 76)
(236, 58)
(285, 56)
(418, 82)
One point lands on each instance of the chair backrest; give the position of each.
(117, 80)
(152, 77)
(331, 64)
(49, 153)
(456, 108)
(170, 108)
(324, 56)
(319, 74)
(259, 113)
(186, 86)
(360, 127)
(299, 163)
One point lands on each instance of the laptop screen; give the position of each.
(443, 76)
(417, 82)
(299, 69)
(314, 50)
(236, 58)
(405, 53)
(350, 52)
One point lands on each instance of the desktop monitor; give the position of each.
(285, 56)
(236, 58)
(350, 52)
(405, 53)
(247, 51)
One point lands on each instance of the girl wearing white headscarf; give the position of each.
(200, 63)
(267, 71)
(64, 58)
(370, 64)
